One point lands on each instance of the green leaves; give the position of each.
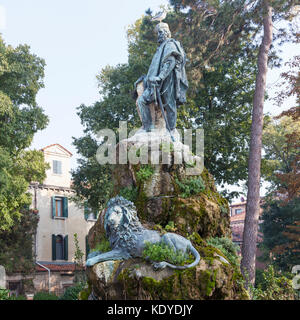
(221, 79)
(273, 286)
(190, 186)
(144, 173)
(16, 253)
(21, 76)
(227, 247)
(16, 172)
(6, 106)
(102, 246)
(281, 230)
(161, 252)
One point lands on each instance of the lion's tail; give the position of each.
(193, 264)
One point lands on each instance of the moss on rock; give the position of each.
(136, 279)
(158, 199)
(201, 214)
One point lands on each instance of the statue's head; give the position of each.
(163, 32)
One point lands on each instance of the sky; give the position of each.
(77, 38)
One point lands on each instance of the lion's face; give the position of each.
(119, 217)
(114, 217)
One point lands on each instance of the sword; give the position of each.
(154, 93)
(158, 97)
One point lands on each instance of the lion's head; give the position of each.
(121, 220)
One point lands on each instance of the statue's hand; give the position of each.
(154, 79)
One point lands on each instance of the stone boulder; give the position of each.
(214, 278)
(168, 198)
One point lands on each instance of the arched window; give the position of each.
(59, 248)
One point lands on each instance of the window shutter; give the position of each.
(53, 206)
(65, 207)
(86, 210)
(66, 248)
(87, 247)
(53, 247)
(59, 167)
(54, 166)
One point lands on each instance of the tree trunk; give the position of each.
(253, 195)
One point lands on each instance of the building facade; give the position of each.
(59, 219)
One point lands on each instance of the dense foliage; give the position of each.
(281, 155)
(273, 286)
(281, 218)
(227, 247)
(221, 76)
(190, 186)
(16, 251)
(44, 295)
(4, 295)
(72, 292)
(281, 233)
(162, 252)
(21, 77)
(102, 246)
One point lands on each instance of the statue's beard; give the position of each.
(162, 38)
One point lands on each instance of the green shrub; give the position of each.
(227, 247)
(72, 293)
(44, 295)
(223, 209)
(272, 286)
(19, 297)
(144, 173)
(161, 252)
(85, 293)
(102, 246)
(4, 294)
(190, 186)
(170, 227)
(129, 193)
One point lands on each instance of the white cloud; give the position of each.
(2, 18)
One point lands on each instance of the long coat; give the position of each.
(175, 85)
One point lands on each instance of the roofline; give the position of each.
(238, 204)
(57, 144)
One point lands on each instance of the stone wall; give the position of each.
(31, 284)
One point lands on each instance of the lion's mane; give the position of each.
(125, 236)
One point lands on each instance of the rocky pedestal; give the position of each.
(167, 192)
(134, 279)
(168, 199)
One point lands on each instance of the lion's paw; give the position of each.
(90, 262)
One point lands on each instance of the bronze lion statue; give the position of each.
(128, 237)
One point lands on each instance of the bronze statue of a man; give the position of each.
(167, 73)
